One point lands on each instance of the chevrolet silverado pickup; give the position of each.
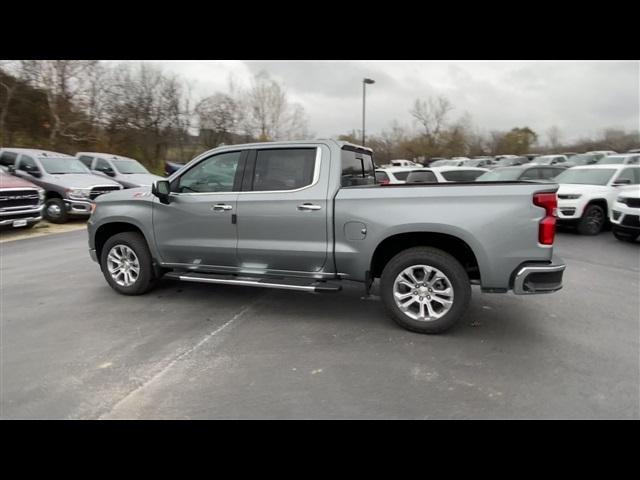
(307, 216)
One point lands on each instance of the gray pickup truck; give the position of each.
(308, 215)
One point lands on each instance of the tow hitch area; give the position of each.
(532, 278)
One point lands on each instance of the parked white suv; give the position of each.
(623, 159)
(396, 175)
(625, 214)
(587, 193)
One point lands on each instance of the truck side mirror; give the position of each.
(11, 169)
(162, 190)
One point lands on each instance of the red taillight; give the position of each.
(547, 226)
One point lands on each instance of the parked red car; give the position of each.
(21, 201)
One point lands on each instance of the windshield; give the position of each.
(584, 159)
(612, 160)
(129, 166)
(440, 163)
(474, 162)
(61, 165)
(542, 161)
(586, 176)
(500, 175)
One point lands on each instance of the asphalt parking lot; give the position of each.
(71, 348)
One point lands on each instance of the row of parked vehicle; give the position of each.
(36, 183)
(596, 188)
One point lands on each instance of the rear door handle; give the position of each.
(218, 207)
(309, 206)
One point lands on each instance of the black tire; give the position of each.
(440, 260)
(146, 278)
(55, 211)
(592, 221)
(624, 237)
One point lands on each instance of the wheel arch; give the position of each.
(451, 244)
(108, 230)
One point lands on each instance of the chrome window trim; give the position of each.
(314, 180)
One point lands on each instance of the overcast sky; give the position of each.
(581, 98)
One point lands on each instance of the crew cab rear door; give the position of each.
(282, 209)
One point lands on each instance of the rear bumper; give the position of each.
(532, 278)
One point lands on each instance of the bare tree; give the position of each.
(431, 114)
(9, 86)
(269, 114)
(553, 137)
(64, 82)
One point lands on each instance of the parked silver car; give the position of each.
(126, 171)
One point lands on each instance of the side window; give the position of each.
(548, 173)
(102, 165)
(27, 164)
(634, 161)
(462, 175)
(402, 176)
(531, 174)
(283, 169)
(215, 174)
(8, 158)
(628, 174)
(422, 176)
(357, 168)
(382, 177)
(86, 160)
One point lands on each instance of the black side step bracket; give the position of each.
(313, 286)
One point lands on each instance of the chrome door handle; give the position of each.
(221, 206)
(308, 206)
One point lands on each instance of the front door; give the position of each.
(197, 227)
(282, 211)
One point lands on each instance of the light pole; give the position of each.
(365, 81)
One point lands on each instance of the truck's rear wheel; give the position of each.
(425, 289)
(126, 264)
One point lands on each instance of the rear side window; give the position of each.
(8, 158)
(86, 160)
(401, 175)
(549, 173)
(462, 175)
(382, 177)
(357, 168)
(284, 169)
(531, 174)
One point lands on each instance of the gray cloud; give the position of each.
(581, 98)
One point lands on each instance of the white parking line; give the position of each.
(179, 357)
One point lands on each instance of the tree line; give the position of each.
(139, 110)
(136, 110)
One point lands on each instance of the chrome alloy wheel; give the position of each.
(123, 265)
(423, 293)
(53, 210)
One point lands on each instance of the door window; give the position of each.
(531, 174)
(284, 169)
(86, 160)
(215, 174)
(27, 164)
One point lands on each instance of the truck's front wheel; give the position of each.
(425, 289)
(126, 264)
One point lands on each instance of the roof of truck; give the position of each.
(36, 152)
(107, 156)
